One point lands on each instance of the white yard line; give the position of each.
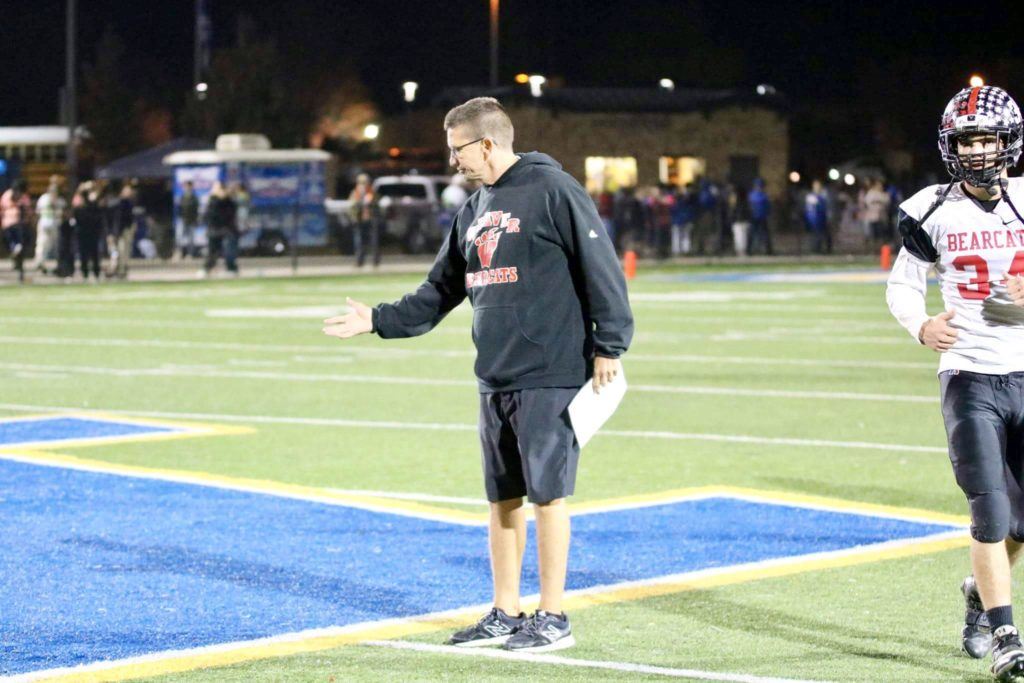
(782, 393)
(262, 319)
(140, 322)
(173, 370)
(700, 359)
(169, 344)
(342, 349)
(465, 427)
(723, 295)
(718, 307)
(558, 660)
(257, 646)
(40, 375)
(689, 319)
(194, 291)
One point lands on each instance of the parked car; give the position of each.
(409, 208)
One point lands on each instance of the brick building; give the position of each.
(610, 137)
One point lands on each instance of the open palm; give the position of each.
(357, 321)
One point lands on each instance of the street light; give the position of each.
(849, 179)
(522, 79)
(794, 177)
(494, 42)
(201, 89)
(409, 88)
(536, 81)
(667, 84)
(833, 174)
(977, 81)
(371, 131)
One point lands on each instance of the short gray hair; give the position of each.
(485, 117)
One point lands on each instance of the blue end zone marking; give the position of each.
(98, 566)
(65, 428)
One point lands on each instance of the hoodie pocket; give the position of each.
(503, 351)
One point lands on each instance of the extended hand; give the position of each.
(1015, 285)
(937, 334)
(358, 321)
(605, 370)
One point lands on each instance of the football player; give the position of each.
(971, 232)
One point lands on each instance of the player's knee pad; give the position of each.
(990, 516)
(1016, 526)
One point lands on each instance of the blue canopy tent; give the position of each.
(148, 164)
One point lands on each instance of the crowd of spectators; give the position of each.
(705, 218)
(700, 218)
(102, 220)
(105, 225)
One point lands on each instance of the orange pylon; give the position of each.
(885, 258)
(629, 264)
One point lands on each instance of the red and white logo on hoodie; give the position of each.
(486, 244)
(485, 233)
(494, 223)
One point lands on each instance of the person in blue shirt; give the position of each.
(707, 213)
(760, 208)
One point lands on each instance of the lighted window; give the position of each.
(608, 174)
(680, 171)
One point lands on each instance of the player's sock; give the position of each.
(1000, 616)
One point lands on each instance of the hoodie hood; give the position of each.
(527, 161)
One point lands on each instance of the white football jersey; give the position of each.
(976, 247)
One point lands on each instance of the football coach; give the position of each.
(550, 312)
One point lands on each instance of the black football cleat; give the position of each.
(1007, 654)
(976, 637)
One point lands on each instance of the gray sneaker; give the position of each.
(1007, 654)
(494, 628)
(976, 637)
(542, 632)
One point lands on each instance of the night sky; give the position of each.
(842, 67)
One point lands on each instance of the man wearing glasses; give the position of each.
(550, 312)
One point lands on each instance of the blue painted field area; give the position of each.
(55, 429)
(100, 566)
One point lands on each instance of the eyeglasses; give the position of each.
(457, 151)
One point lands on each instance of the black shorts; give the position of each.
(529, 447)
(984, 416)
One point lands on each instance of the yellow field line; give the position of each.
(269, 648)
(429, 624)
(264, 486)
(187, 430)
(770, 496)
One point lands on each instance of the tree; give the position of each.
(108, 106)
(342, 108)
(249, 91)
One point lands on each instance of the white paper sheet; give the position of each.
(588, 411)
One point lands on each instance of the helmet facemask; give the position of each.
(984, 168)
(986, 112)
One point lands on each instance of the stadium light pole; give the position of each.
(494, 43)
(71, 96)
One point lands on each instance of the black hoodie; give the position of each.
(534, 259)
